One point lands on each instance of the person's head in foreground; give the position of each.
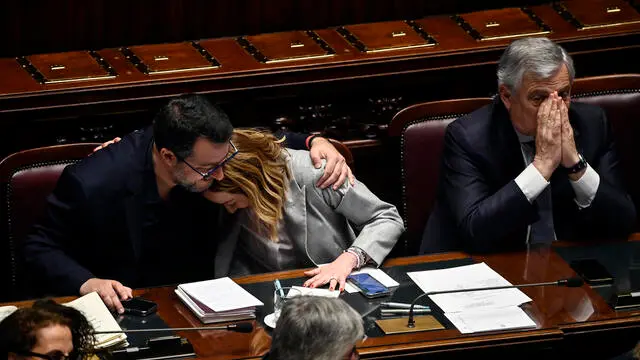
(257, 178)
(45, 331)
(530, 71)
(316, 328)
(192, 142)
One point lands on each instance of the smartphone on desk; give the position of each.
(368, 285)
(139, 306)
(592, 271)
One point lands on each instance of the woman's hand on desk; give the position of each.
(110, 291)
(334, 273)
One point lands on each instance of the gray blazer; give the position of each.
(321, 223)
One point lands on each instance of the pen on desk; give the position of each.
(396, 305)
(132, 349)
(403, 311)
(276, 283)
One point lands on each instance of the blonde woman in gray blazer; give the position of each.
(286, 222)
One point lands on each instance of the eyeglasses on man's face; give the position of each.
(53, 355)
(206, 175)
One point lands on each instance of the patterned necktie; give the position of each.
(542, 230)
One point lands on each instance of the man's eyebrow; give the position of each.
(212, 164)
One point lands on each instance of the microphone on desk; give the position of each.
(570, 282)
(243, 327)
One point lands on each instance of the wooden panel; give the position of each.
(350, 96)
(97, 24)
(67, 67)
(286, 46)
(557, 311)
(502, 24)
(170, 58)
(598, 13)
(386, 36)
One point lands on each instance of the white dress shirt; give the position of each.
(532, 183)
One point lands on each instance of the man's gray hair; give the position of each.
(537, 57)
(315, 328)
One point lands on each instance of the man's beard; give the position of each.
(190, 186)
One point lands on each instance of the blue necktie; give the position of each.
(542, 230)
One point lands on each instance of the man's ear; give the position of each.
(505, 96)
(168, 157)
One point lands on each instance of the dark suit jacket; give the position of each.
(480, 207)
(98, 224)
(94, 221)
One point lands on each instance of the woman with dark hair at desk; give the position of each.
(291, 223)
(45, 331)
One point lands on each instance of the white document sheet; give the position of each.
(304, 291)
(5, 311)
(96, 312)
(465, 277)
(220, 294)
(377, 274)
(507, 318)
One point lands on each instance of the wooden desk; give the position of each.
(565, 316)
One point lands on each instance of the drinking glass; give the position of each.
(279, 300)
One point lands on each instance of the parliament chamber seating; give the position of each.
(28, 177)
(342, 69)
(344, 150)
(421, 129)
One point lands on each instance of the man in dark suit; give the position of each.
(133, 214)
(528, 168)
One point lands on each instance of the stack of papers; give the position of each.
(100, 318)
(5, 311)
(218, 300)
(478, 310)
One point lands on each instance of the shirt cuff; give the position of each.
(531, 182)
(586, 187)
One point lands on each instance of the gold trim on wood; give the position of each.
(145, 69)
(39, 77)
(544, 28)
(299, 58)
(296, 44)
(355, 41)
(568, 16)
(258, 55)
(589, 27)
(399, 325)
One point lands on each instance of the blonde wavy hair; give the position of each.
(260, 172)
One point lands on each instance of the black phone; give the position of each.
(592, 271)
(139, 306)
(368, 285)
